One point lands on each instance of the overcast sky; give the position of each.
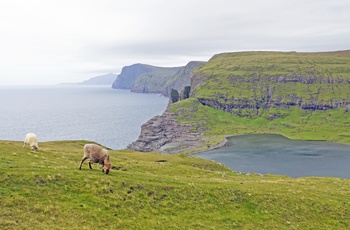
(49, 41)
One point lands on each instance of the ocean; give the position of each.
(110, 117)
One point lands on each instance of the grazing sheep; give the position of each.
(97, 154)
(32, 140)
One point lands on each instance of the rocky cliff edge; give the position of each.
(164, 134)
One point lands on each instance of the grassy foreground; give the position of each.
(45, 190)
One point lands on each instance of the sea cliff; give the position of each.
(141, 78)
(300, 95)
(160, 131)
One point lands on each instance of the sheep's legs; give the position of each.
(82, 160)
(90, 164)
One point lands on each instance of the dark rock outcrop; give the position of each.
(174, 96)
(185, 93)
(164, 134)
(231, 105)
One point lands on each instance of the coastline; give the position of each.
(224, 142)
(279, 155)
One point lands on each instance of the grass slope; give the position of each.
(279, 63)
(295, 123)
(240, 75)
(267, 92)
(45, 190)
(325, 76)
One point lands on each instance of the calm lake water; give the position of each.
(98, 113)
(275, 154)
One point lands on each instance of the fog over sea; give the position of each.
(101, 114)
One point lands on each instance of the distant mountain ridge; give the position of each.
(142, 78)
(106, 79)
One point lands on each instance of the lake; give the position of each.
(107, 116)
(276, 154)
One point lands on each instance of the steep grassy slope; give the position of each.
(300, 95)
(45, 190)
(295, 123)
(314, 78)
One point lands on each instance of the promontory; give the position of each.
(300, 95)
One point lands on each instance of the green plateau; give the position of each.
(299, 95)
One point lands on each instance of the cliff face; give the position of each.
(183, 77)
(300, 95)
(129, 74)
(142, 78)
(164, 134)
(257, 81)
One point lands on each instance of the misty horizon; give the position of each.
(49, 42)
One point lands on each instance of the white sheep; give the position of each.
(32, 140)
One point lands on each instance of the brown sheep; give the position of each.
(97, 154)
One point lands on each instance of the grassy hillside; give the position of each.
(300, 95)
(45, 190)
(271, 63)
(321, 77)
(295, 123)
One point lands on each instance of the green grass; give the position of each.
(246, 63)
(246, 79)
(232, 74)
(295, 123)
(45, 190)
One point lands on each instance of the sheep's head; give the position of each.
(34, 148)
(106, 168)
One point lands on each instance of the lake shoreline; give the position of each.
(271, 153)
(224, 142)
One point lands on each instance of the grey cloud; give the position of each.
(103, 36)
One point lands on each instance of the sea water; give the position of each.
(111, 117)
